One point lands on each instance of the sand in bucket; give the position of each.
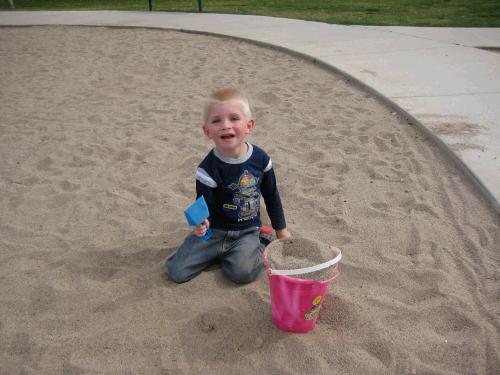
(300, 271)
(296, 253)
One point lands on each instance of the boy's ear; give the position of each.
(205, 129)
(250, 125)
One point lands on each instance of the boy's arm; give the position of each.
(274, 208)
(208, 194)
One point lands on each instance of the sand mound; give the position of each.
(300, 252)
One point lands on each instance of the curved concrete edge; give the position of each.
(411, 119)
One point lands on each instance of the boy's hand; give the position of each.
(201, 229)
(283, 233)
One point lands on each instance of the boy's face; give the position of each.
(228, 126)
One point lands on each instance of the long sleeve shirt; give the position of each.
(232, 189)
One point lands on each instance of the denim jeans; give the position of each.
(238, 252)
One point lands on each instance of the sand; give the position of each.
(301, 252)
(99, 140)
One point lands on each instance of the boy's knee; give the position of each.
(174, 274)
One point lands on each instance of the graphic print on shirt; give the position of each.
(245, 196)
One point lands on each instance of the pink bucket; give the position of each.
(296, 302)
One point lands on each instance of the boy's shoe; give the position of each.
(266, 235)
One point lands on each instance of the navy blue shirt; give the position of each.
(232, 189)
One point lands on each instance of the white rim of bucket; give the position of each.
(315, 268)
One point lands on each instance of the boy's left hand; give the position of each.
(201, 229)
(283, 233)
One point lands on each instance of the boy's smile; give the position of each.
(227, 136)
(227, 125)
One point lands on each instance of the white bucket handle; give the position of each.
(318, 267)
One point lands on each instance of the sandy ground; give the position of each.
(99, 140)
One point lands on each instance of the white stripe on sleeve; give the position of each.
(204, 178)
(269, 166)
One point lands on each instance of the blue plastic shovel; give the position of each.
(196, 214)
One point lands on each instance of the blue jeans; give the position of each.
(238, 252)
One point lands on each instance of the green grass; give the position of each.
(464, 13)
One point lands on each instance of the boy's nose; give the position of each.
(226, 124)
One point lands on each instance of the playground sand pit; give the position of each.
(100, 137)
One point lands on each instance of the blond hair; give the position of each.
(224, 95)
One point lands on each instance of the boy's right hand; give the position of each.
(201, 229)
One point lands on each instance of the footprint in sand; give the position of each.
(337, 168)
(43, 298)
(124, 155)
(79, 162)
(223, 334)
(380, 209)
(94, 119)
(380, 350)
(449, 320)
(313, 156)
(47, 165)
(68, 186)
(412, 206)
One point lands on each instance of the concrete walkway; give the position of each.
(436, 76)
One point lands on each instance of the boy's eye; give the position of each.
(215, 121)
(235, 118)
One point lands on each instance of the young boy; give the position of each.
(231, 178)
